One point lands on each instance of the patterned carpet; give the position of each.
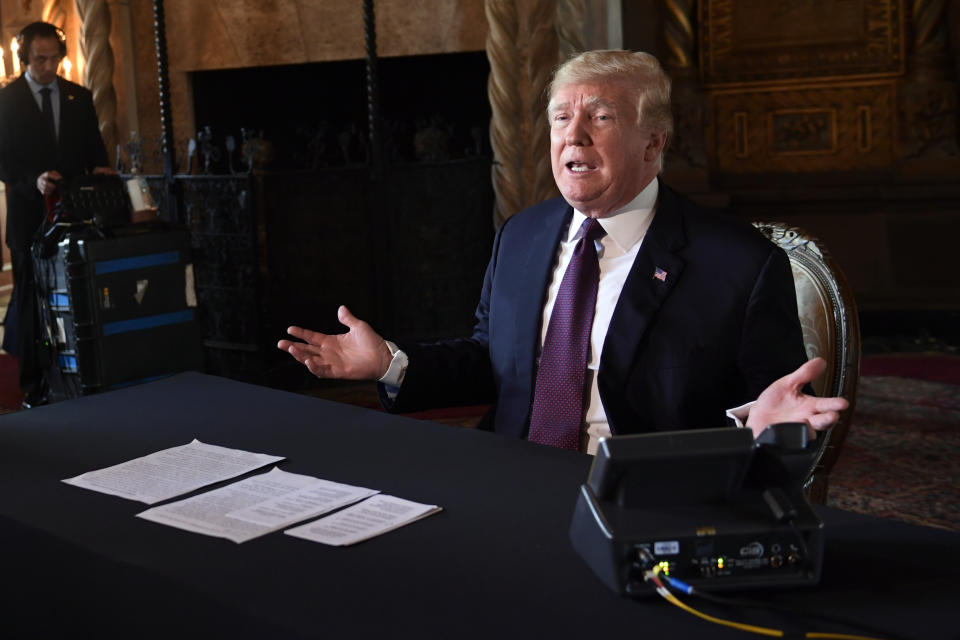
(900, 459)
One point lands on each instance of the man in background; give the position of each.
(49, 134)
(621, 307)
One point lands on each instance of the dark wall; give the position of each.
(406, 252)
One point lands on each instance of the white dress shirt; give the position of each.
(54, 87)
(625, 229)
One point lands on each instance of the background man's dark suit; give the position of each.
(27, 149)
(678, 353)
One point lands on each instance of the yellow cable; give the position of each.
(764, 631)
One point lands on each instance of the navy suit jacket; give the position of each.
(712, 335)
(27, 149)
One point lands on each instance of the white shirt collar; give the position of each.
(36, 86)
(624, 230)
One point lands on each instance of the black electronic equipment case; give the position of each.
(710, 507)
(117, 310)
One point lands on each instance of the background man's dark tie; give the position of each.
(47, 111)
(558, 401)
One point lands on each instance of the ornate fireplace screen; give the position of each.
(275, 248)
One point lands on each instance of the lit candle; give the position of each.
(15, 57)
(66, 68)
(3, 65)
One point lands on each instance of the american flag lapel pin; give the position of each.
(660, 274)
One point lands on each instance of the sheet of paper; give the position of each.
(360, 522)
(309, 501)
(256, 506)
(172, 472)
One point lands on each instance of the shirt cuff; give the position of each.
(397, 369)
(739, 414)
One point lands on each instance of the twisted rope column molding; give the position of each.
(54, 14)
(544, 54)
(688, 142)
(570, 20)
(929, 27)
(506, 105)
(928, 96)
(679, 33)
(94, 16)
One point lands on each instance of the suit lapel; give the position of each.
(67, 104)
(32, 117)
(25, 97)
(536, 275)
(655, 271)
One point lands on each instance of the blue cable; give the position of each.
(679, 585)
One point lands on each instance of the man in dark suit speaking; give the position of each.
(48, 133)
(621, 308)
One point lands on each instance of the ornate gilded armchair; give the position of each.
(831, 329)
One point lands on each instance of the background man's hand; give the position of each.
(46, 181)
(784, 401)
(104, 171)
(359, 354)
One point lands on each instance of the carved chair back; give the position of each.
(831, 329)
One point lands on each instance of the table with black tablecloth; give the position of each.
(495, 563)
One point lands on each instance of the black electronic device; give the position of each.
(98, 199)
(710, 507)
(117, 310)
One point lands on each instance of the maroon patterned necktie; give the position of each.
(558, 401)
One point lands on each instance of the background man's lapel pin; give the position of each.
(660, 274)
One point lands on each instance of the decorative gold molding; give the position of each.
(799, 132)
(756, 41)
(816, 127)
(864, 128)
(741, 127)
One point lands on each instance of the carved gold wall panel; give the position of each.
(803, 129)
(744, 41)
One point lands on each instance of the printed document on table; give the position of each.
(257, 505)
(172, 472)
(360, 522)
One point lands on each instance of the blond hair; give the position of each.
(640, 71)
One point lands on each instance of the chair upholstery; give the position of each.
(831, 329)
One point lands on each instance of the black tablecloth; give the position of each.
(497, 562)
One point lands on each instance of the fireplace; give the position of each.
(312, 226)
(314, 116)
